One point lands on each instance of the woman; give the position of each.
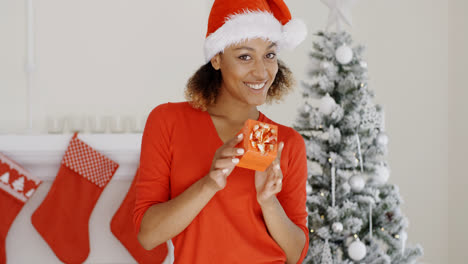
(189, 188)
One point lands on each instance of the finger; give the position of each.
(277, 178)
(278, 187)
(277, 166)
(280, 150)
(233, 141)
(270, 183)
(226, 163)
(226, 172)
(279, 182)
(231, 152)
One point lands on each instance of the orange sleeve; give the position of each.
(152, 186)
(293, 194)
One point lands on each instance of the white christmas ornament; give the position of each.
(325, 65)
(345, 187)
(337, 227)
(357, 250)
(363, 64)
(327, 104)
(357, 183)
(381, 174)
(344, 54)
(382, 139)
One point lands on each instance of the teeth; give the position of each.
(256, 86)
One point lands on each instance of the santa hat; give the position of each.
(232, 21)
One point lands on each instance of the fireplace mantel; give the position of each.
(41, 154)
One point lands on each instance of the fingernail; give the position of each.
(225, 171)
(240, 151)
(235, 160)
(281, 144)
(240, 135)
(277, 166)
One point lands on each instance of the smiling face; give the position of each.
(248, 69)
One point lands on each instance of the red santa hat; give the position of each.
(232, 21)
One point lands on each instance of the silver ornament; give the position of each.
(357, 250)
(363, 64)
(327, 104)
(344, 54)
(357, 183)
(337, 227)
(382, 139)
(382, 173)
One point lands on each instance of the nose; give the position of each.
(260, 70)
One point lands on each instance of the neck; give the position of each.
(233, 110)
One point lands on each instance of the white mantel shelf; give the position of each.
(41, 154)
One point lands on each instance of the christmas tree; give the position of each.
(354, 213)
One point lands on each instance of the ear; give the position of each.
(216, 61)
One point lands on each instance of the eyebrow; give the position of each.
(249, 48)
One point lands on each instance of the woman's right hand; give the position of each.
(225, 159)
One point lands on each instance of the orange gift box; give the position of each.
(260, 145)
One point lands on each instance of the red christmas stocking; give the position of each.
(122, 228)
(16, 186)
(63, 217)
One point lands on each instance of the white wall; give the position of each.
(119, 57)
(458, 143)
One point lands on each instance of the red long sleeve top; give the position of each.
(177, 149)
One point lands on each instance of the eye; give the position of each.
(244, 57)
(271, 55)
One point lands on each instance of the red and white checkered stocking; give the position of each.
(62, 218)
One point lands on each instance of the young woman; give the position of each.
(189, 188)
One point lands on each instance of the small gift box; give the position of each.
(260, 145)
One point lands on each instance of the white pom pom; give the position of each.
(357, 250)
(294, 32)
(382, 139)
(327, 103)
(357, 183)
(382, 174)
(344, 54)
(325, 65)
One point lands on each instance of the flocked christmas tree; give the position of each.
(354, 213)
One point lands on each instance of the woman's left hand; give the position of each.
(269, 182)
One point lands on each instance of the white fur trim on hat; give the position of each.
(294, 32)
(254, 24)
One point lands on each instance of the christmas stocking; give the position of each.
(122, 228)
(62, 218)
(16, 186)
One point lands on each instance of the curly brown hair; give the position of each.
(203, 87)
